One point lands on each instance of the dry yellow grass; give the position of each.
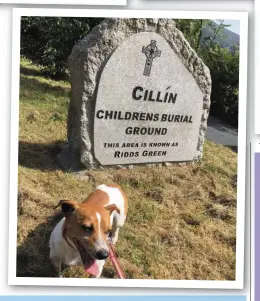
(182, 218)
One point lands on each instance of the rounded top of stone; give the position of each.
(105, 38)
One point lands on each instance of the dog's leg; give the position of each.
(118, 222)
(56, 263)
(100, 264)
(114, 235)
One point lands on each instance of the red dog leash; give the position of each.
(115, 262)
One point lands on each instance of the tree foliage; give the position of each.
(48, 41)
(224, 68)
(222, 62)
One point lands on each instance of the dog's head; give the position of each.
(89, 227)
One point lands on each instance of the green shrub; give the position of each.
(224, 69)
(48, 41)
(222, 62)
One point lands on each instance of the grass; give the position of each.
(182, 218)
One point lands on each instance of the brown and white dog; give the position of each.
(81, 236)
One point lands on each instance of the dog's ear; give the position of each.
(67, 206)
(112, 208)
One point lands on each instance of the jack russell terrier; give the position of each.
(81, 236)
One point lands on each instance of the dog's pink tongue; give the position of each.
(91, 267)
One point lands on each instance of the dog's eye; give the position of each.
(87, 228)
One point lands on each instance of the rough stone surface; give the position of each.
(87, 62)
(132, 89)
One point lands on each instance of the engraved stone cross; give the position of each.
(151, 51)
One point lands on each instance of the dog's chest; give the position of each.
(72, 257)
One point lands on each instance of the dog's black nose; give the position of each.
(102, 254)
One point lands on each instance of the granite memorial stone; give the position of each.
(140, 94)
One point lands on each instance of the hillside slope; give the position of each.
(227, 40)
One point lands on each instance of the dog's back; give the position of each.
(106, 195)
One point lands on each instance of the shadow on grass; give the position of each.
(38, 72)
(40, 156)
(30, 71)
(234, 148)
(33, 253)
(49, 156)
(35, 85)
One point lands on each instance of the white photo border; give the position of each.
(238, 283)
(69, 2)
